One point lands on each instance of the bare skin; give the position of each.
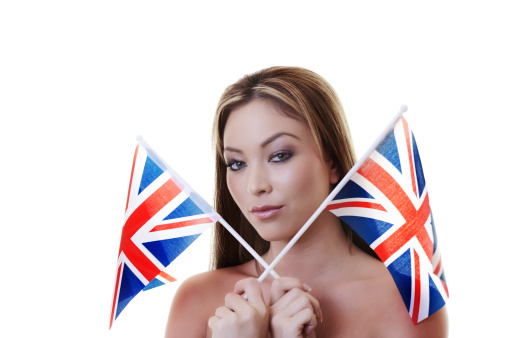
(364, 304)
(330, 288)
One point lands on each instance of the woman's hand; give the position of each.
(241, 317)
(294, 312)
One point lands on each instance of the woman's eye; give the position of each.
(281, 157)
(236, 165)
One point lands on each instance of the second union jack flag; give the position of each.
(162, 218)
(386, 203)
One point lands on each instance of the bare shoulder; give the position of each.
(196, 301)
(370, 305)
(394, 320)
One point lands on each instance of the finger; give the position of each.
(281, 286)
(305, 322)
(295, 301)
(212, 322)
(222, 312)
(252, 289)
(293, 295)
(235, 302)
(310, 325)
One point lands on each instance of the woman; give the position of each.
(282, 143)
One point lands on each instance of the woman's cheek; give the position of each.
(232, 184)
(236, 182)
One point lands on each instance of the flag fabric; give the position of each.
(386, 203)
(161, 279)
(163, 217)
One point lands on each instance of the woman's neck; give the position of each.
(323, 247)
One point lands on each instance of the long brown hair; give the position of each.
(303, 95)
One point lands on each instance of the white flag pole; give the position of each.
(248, 247)
(335, 191)
(205, 207)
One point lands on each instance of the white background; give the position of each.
(80, 79)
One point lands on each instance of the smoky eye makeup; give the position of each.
(281, 149)
(281, 156)
(235, 165)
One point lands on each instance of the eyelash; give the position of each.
(287, 155)
(232, 163)
(275, 158)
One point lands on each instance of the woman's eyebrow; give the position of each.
(277, 135)
(234, 150)
(265, 143)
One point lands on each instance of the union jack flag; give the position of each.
(386, 203)
(162, 218)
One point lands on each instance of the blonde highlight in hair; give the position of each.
(303, 95)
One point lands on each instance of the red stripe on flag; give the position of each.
(131, 176)
(357, 204)
(167, 276)
(437, 269)
(115, 295)
(417, 289)
(410, 158)
(181, 224)
(144, 212)
(415, 219)
(445, 288)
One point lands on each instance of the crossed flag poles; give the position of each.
(362, 199)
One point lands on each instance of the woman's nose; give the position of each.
(258, 180)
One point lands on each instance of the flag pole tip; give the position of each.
(139, 138)
(404, 108)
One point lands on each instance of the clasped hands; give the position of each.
(291, 312)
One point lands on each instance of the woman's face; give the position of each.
(276, 174)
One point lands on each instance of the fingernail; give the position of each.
(308, 329)
(307, 287)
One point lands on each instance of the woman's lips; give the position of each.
(266, 211)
